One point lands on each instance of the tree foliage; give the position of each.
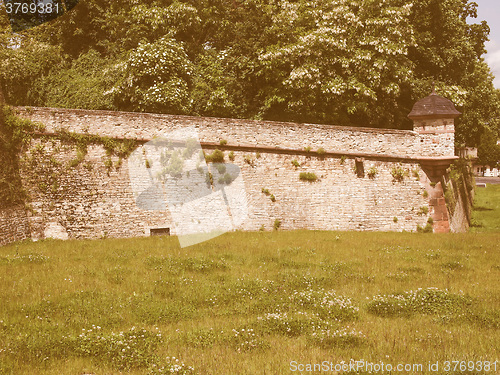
(358, 63)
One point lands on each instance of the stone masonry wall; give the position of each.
(94, 199)
(13, 225)
(400, 143)
(86, 201)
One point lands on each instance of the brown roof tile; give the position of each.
(433, 106)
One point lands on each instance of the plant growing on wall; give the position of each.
(249, 160)
(398, 173)
(449, 198)
(424, 210)
(416, 174)
(277, 224)
(308, 176)
(215, 157)
(268, 193)
(372, 172)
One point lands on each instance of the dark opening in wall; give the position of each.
(360, 168)
(159, 232)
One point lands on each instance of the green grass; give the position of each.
(486, 214)
(248, 303)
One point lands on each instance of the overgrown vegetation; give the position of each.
(14, 136)
(308, 176)
(459, 185)
(22, 145)
(372, 172)
(398, 173)
(217, 156)
(245, 302)
(274, 61)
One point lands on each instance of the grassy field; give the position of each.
(252, 303)
(486, 217)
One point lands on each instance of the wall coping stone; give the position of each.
(211, 119)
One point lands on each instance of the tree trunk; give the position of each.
(2, 99)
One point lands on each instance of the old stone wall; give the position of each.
(14, 225)
(94, 197)
(401, 143)
(90, 200)
(437, 137)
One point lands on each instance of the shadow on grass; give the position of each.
(479, 208)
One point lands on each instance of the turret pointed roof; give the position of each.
(433, 106)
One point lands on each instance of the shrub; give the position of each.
(307, 149)
(273, 198)
(426, 229)
(308, 176)
(342, 159)
(225, 179)
(295, 163)
(424, 210)
(277, 224)
(321, 151)
(215, 157)
(223, 142)
(221, 168)
(372, 172)
(257, 155)
(425, 194)
(398, 173)
(416, 174)
(395, 219)
(231, 156)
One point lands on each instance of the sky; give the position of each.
(489, 11)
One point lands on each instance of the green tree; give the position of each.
(23, 60)
(156, 78)
(340, 61)
(361, 63)
(86, 82)
(488, 151)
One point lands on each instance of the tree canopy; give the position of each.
(344, 62)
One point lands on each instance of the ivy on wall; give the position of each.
(16, 134)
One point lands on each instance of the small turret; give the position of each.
(433, 118)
